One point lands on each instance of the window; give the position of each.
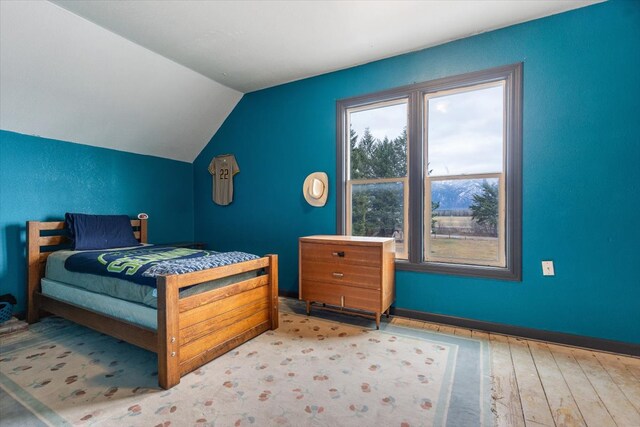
(377, 179)
(437, 166)
(464, 136)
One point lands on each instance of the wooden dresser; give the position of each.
(348, 272)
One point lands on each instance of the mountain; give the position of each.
(456, 194)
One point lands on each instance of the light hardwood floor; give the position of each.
(543, 384)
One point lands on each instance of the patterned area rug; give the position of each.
(310, 372)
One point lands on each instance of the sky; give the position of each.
(465, 130)
(385, 121)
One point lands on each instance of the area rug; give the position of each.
(309, 372)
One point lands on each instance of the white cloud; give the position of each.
(442, 107)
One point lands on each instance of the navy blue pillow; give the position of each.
(100, 231)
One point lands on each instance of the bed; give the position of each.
(191, 329)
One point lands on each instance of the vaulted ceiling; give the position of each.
(65, 78)
(160, 77)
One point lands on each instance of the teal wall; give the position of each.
(41, 179)
(581, 194)
(581, 171)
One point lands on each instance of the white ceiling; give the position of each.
(250, 45)
(160, 77)
(63, 77)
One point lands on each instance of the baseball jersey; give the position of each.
(223, 168)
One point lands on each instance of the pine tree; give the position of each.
(356, 155)
(434, 221)
(377, 210)
(484, 209)
(400, 153)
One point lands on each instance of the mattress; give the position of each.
(122, 289)
(131, 312)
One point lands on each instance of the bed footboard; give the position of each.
(196, 329)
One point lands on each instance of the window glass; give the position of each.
(378, 209)
(465, 143)
(465, 221)
(378, 186)
(378, 137)
(465, 132)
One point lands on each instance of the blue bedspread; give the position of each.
(143, 265)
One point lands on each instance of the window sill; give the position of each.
(478, 271)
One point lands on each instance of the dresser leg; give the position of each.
(377, 320)
(308, 307)
(387, 312)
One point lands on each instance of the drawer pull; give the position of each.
(339, 254)
(338, 274)
(342, 301)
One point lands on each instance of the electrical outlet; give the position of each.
(547, 268)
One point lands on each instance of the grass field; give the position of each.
(478, 249)
(454, 221)
(455, 240)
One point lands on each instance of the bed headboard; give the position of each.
(44, 238)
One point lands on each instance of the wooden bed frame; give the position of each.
(191, 330)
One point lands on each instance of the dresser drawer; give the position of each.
(342, 254)
(342, 296)
(343, 274)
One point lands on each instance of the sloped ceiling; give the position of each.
(65, 78)
(160, 77)
(250, 45)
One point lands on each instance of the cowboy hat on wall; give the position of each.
(316, 188)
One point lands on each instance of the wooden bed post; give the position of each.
(168, 329)
(33, 269)
(273, 290)
(143, 231)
